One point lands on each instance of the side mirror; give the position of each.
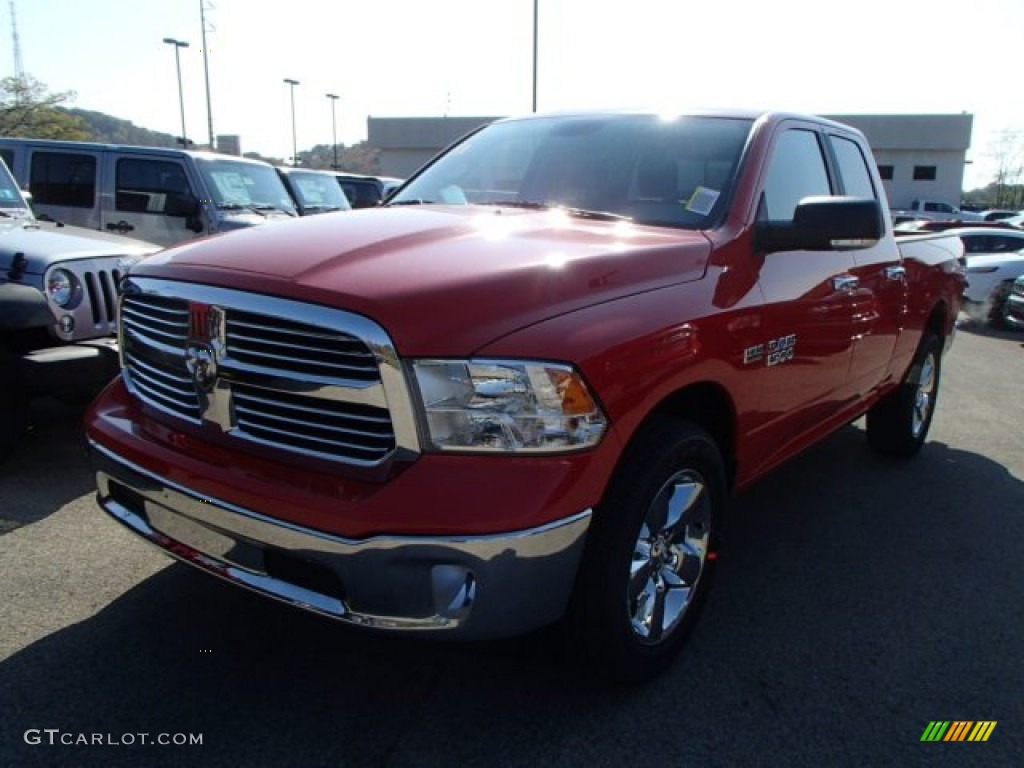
(181, 206)
(824, 224)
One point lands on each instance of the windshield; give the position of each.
(245, 185)
(318, 191)
(11, 200)
(669, 172)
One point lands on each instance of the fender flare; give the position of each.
(23, 307)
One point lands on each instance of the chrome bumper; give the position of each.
(468, 587)
(1013, 313)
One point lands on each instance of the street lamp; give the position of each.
(334, 127)
(295, 150)
(534, 55)
(178, 45)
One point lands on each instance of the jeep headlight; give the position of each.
(507, 406)
(60, 286)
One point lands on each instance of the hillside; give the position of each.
(113, 130)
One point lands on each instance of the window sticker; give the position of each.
(232, 187)
(702, 200)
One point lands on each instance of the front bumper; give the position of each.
(470, 587)
(70, 370)
(1013, 311)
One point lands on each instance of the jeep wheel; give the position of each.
(647, 565)
(898, 424)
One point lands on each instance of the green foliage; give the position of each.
(359, 158)
(28, 109)
(113, 130)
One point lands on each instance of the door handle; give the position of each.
(121, 226)
(895, 273)
(845, 283)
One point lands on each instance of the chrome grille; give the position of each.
(154, 331)
(269, 372)
(1018, 288)
(94, 312)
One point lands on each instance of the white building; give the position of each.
(918, 156)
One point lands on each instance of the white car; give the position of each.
(995, 258)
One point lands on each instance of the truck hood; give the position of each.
(443, 280)
(45, 243)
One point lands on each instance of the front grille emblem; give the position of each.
(201, 361)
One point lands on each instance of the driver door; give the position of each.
(151, 198)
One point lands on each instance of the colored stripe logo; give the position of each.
(959, 730)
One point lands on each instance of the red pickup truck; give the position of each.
(525, 389)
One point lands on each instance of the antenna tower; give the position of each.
(19, 68)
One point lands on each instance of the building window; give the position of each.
(924, 173)
(885, 172)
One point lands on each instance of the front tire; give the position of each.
(898, 424)
(649, 556)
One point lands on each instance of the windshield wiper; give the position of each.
(412, 201)
(534, 205)
(260, 207)
(239, 207)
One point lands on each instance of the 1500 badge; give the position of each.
(780, 350)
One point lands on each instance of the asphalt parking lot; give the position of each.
(858, 599)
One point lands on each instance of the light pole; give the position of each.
(295, 150)
(535, 55)
(334, 127)
(206, 71)
(178, 45)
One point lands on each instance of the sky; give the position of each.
(412, 58)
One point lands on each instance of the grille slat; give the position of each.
(179, 407)
(142, 330)
(261, 341)
(305, 408)
(274, 361)
(94, 304)
(247, 339)
(303, 442)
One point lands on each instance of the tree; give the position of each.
(28, 109)
(1007, 153)
(359, 158)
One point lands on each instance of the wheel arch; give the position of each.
(705, 404)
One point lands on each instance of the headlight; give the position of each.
(61, 287)
(507, 406)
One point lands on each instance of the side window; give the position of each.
(797, 170)
(853, 169)
(975, 243)
(1006, 243)
(145, 186)
(8, 158)
(59, 178)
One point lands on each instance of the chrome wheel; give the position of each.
(669, 556)
(924, 396)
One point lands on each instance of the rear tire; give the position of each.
(649, 557)
(898, 424)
